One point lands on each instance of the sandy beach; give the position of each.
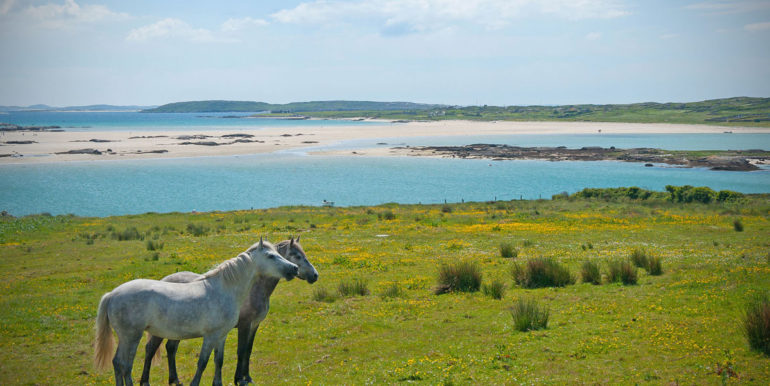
(47, 147)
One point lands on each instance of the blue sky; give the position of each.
(497, 52)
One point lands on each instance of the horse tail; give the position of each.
(103, 346)
(156, 357)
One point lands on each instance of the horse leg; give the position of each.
(124, 358)
(247, 354)
(203, 359)
(243, 338)
(219, 359)
(171, 347)
(149, 351)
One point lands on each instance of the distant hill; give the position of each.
(74, 108)
(248, 107)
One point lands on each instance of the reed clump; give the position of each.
(463, 276)
(529, 315)
(541, 272)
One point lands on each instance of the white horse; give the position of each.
(253, 310)
(207, 307)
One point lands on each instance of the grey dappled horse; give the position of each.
(253, 311)
(207, 307)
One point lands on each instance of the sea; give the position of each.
(109, 188)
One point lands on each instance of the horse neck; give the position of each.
(264, 286)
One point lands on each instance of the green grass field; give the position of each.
(681, 327)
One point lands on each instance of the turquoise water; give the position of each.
(127, 121)
(292, 178)
(262, 181)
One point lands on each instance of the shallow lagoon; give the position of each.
(270, 180)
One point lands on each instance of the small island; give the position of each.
(733, 160)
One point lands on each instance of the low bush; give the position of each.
(541, 272)
(738, 225)
(446, 208)
(495, 289)
(756, 324)
(508, 251)
(463, 276)
(529, 315)
(355, 287)
(639, 258)
(622, 271)
(590, 273)
(389, 215)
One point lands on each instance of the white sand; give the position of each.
(125, 145)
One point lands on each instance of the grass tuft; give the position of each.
(392, 291)
(354, 287)
(541, 272)
(654, 266)
(197, 230)
(464, 276)
(738, 225)
(639, 257)
(495, 289)
(622, 271)
(756, 324)
(154, 245)
(508, 251)
(529, 315)
(590, 273)
(127, 234)
(321, 294)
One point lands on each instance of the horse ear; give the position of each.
(260, 242)
(291, 241)
(297, 240)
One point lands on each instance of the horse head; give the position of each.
(270, 263)
(293, 252)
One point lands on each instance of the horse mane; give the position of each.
(233, 269)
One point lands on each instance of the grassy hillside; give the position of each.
(681, 327)
(731, 111)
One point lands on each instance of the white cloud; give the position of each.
(757, 26)
(593, 36)
(231, 25)
(6, 6)
(173, 28)
(425, 15)
(730, 6)
(68, 14)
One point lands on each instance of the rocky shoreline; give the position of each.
(733, 160)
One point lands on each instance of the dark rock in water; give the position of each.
(15, 127)
(5, 155)
(237, 136)
(189, 137)
(161, 151)
(201, 143)
(100, 140)
(81, 151)
(20, 142)
(648, 165)
(309, 141)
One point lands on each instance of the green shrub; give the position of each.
(464, 276)
(590, 273)
(622, 271)
(127, 234)
(508, 251)
(197, 230)
(495, 289)
(689, 193)
(654, 266)
(756, 324)
(321, 294)
(738, 225)
(392, 291)
(529, 315)
(728, 195)
(446, 208)
(639, 258)
(389, 215)
(154, 245)
(355, 287)
(541, 272)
